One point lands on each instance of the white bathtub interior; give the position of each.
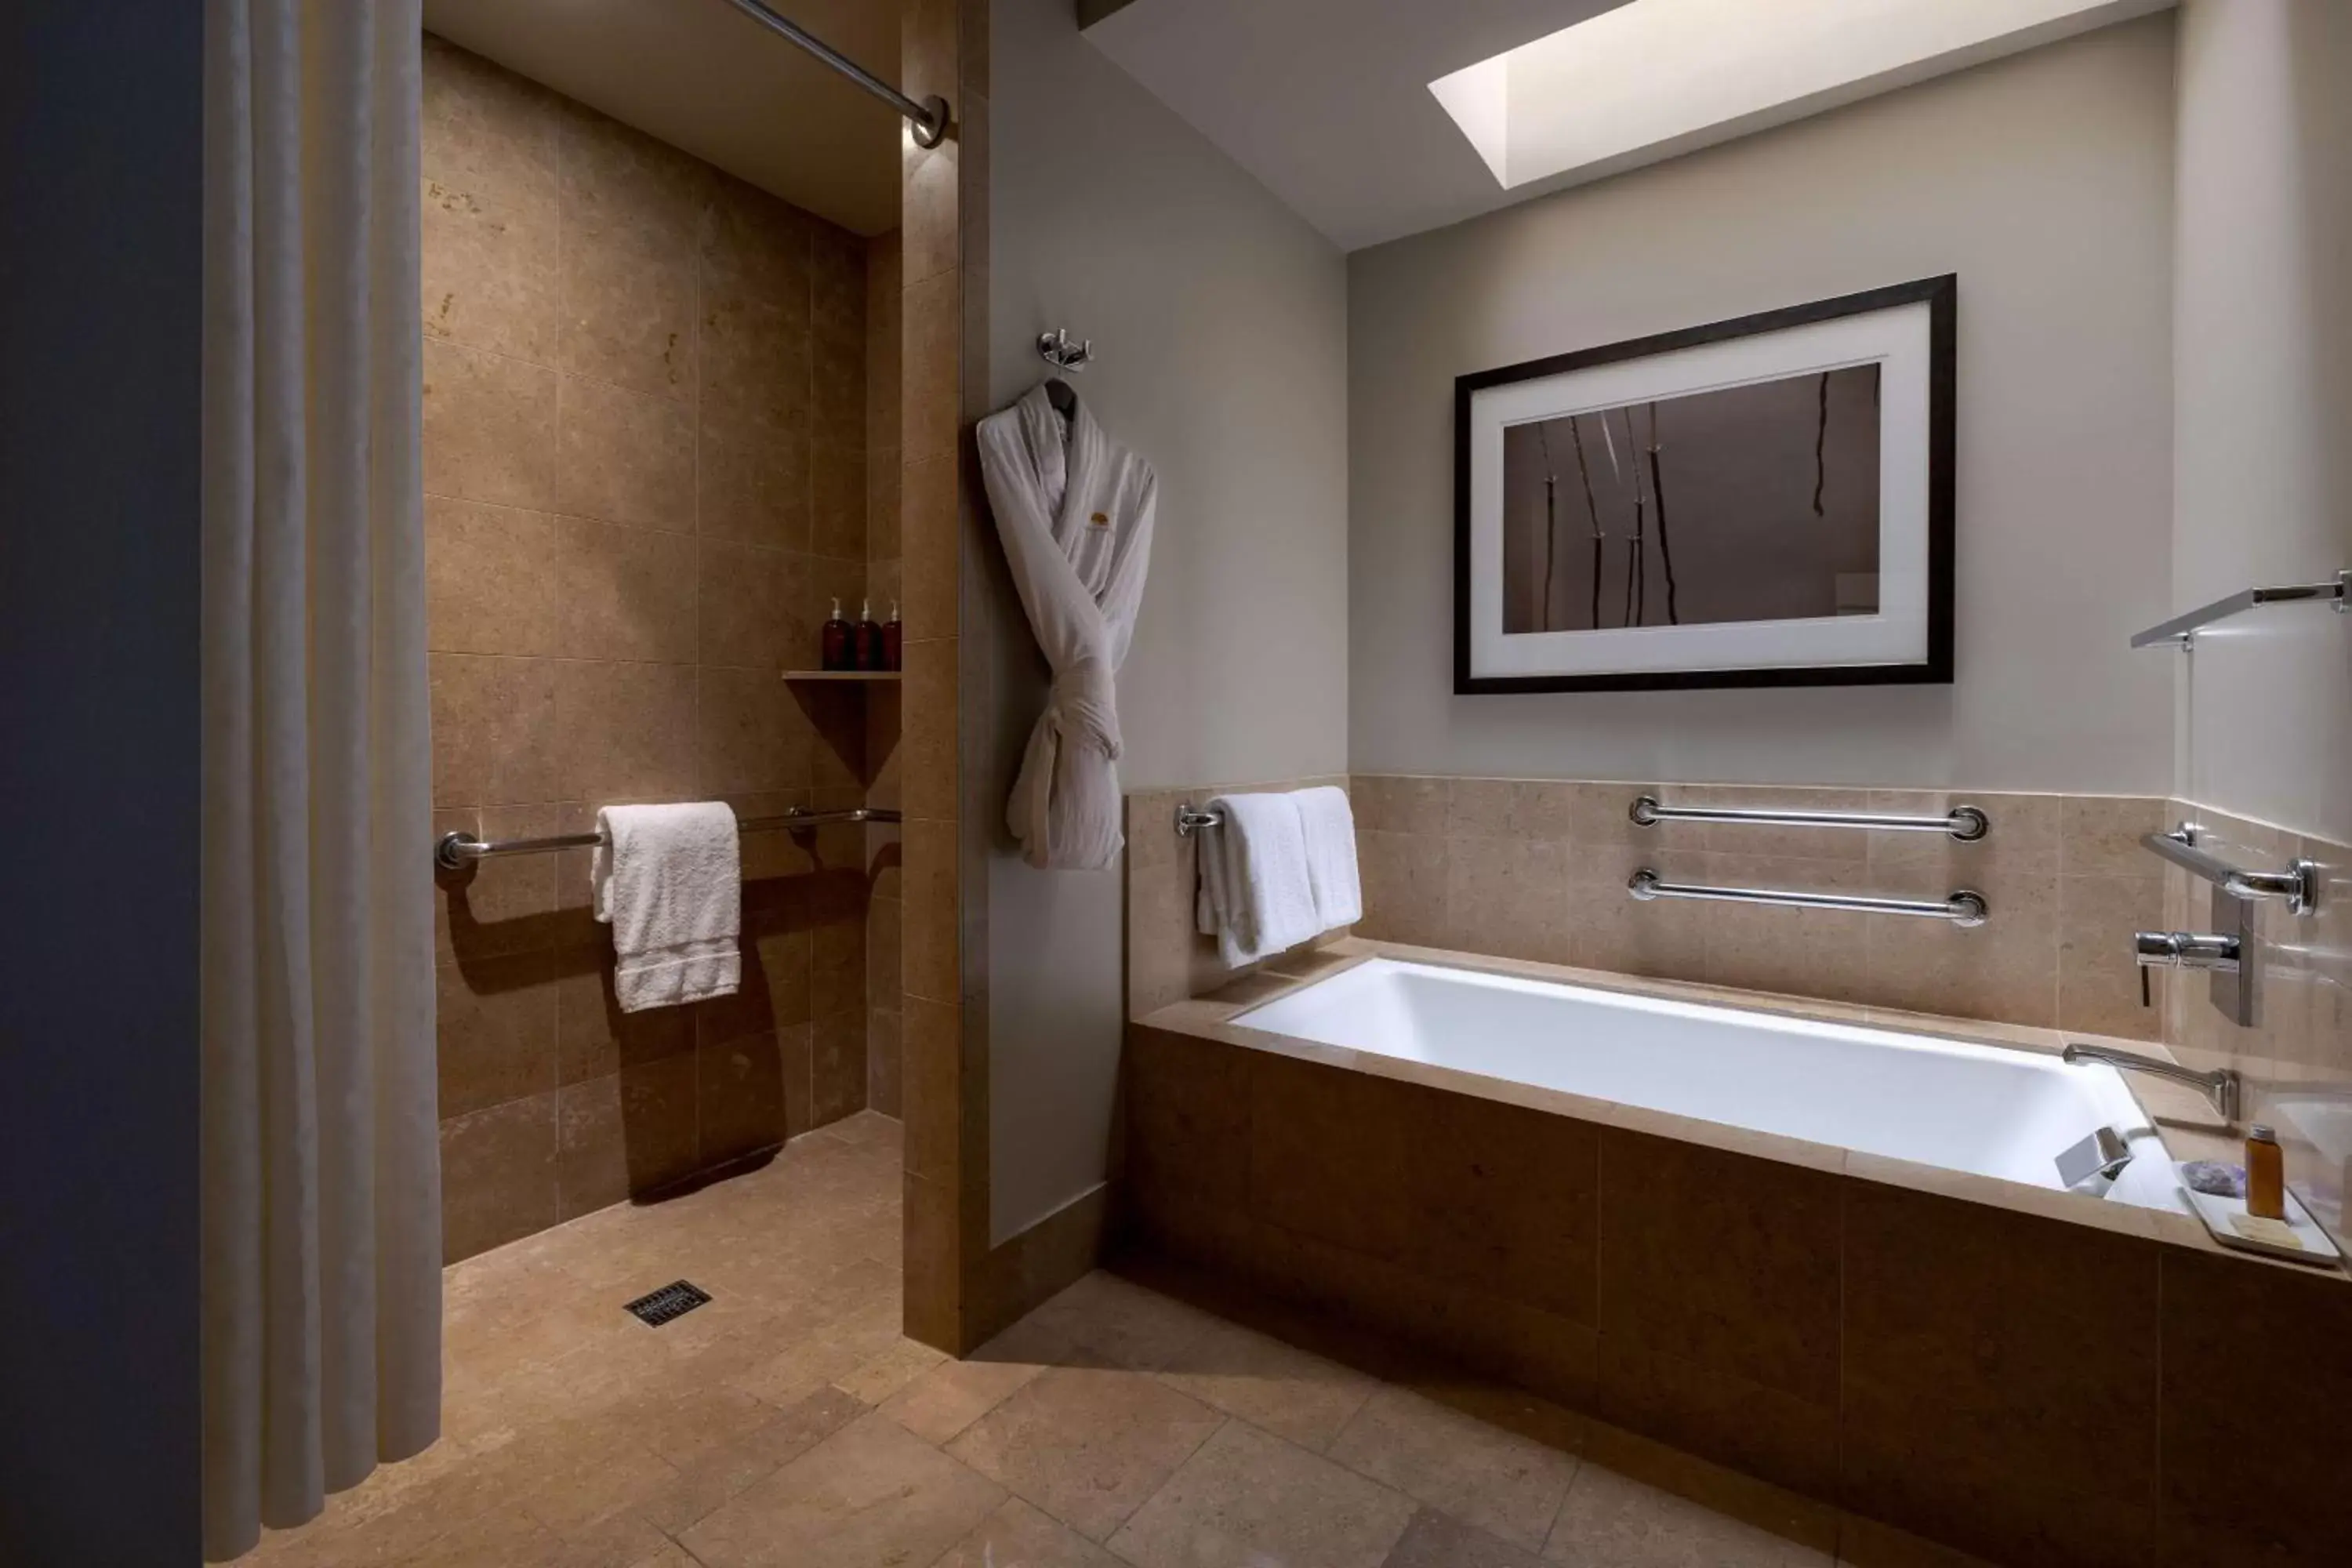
(1987, 1110)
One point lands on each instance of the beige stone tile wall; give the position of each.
(1536, 870)
(646, 474)
(2297, 1056)
(883, 462)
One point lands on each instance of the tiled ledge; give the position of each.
(2186, 1127)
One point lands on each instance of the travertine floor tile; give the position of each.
(1088, 1444)
(1123, 1321)
(789, 1422)
(1019, 1536)
(1496, 1479)
(1246, 1498)
(1609, 1522)
(871, 1494)
(953, 1395)
(1269, 1384)
(1435, 1540)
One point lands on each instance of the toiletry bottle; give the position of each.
(836, 641)
(2265, 1174)
(893, 638)
(865, 639)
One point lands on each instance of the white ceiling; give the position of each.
(1328, 101)
(702, 75)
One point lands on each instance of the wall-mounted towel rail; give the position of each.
(1964, 908)
(1965, 823)
(2181, 630)
(455, 851)
(2298, 884)
(1190, 816)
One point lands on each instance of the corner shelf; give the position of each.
(860, 675)
(2181, 630)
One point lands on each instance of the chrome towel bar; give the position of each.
(455, 851)
(1190, 816)
(1964, 908)
(2298, 884)
(1966, 822)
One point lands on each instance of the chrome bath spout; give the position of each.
(2222, 1086)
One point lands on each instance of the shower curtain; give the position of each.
(320, 1166)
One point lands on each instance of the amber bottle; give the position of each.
(2265, 1174)
(835, 649)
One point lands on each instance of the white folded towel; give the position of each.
(669, 882)
(1331, 829)
(1257, 897)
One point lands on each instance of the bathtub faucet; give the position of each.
(2222, 1085)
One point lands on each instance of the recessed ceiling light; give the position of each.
(1654, 78)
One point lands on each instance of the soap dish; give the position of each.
(2221, 1215)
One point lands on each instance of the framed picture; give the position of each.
(1765, 501)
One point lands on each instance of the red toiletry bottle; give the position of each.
(836, 651)
(893, 638)
(865, 640)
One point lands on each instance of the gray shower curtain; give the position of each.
(320, 1171)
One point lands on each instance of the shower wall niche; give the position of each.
(648, 395)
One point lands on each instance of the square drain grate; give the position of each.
(670, 1301)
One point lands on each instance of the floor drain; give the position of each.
(669, 1302)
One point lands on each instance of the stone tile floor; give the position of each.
(788, 1422)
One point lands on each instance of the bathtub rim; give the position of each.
(1210, 1017)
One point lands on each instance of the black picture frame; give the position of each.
(1941, 296)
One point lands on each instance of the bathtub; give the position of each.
(1988, 1111)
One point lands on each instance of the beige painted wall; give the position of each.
(1220, 319)
(2045, 183)
(2262, 466)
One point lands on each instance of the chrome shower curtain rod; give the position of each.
(928, 118)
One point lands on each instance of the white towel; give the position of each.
(670, 883)
(1331, 829)
(1257, 896)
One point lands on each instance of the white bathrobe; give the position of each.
(1074, 510)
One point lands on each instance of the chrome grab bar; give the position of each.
(2298, 884)
(455, 851)
(1966, 822)
(2222, 1087)
(1963, 908)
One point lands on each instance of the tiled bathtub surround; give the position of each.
(2040, 1379)
(645, 469)
(1536, 870)
(2297, 1058)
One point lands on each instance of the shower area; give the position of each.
(661, 285)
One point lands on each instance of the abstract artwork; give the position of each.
(1762, 502)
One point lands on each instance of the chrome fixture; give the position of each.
(1964, 908)
(455, 851)
(1966, 822)
(2222, 1086)
(2103, 1155)
(927, 120)
(2298, 885)
(1189, 816)
(2181, 630)
(1057, 350)
(2186, 949)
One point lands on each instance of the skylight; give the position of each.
(1654, 78)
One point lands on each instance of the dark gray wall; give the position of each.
(101, 148)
